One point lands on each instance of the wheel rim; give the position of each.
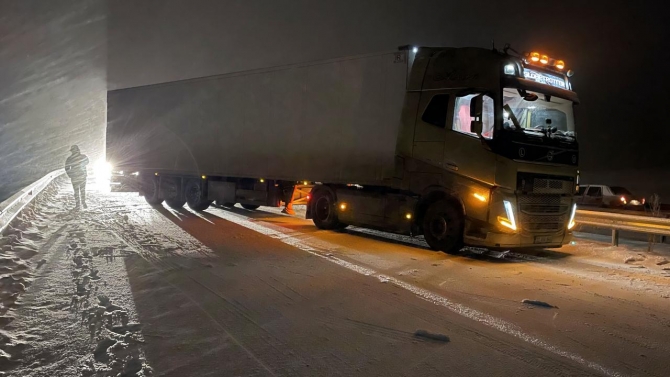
(322, 208)
(152, 188)
(438, 227)
(193, 194)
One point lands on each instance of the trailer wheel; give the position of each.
(250, 207)
(324, 213)
(151, 191)
(175, 203)
(195, 197)
(443, 227)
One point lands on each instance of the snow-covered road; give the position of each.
(126, 289)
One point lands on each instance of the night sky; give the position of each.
(618, 49)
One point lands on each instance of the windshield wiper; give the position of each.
(512, 117)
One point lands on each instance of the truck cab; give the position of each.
(495, 133)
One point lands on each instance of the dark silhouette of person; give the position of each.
(75, 167)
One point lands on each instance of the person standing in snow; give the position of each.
(75, 167)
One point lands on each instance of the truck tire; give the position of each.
(324, 213)
(250, 207)
(443, 227)
(195, 196)
(151, 191)
(175, 203)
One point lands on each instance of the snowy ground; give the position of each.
(124, 289)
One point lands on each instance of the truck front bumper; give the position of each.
(519, 240)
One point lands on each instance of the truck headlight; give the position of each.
(571, 223)
(509, 221)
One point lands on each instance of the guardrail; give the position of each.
(618, 222)
(13, 206)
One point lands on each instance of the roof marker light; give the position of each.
(560, 64)
(535, 56)
(544, 59)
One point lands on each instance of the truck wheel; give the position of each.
(151, 192)
(195, 196)
(324, 212)
(250, 207)
(175, 203)
(443, 227)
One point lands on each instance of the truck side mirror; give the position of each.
(476, 110)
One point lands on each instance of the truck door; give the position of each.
(430, 128)
(464, 153)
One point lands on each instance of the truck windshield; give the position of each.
(541, 116)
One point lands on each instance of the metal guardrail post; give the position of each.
(615, 237)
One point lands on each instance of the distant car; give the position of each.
(608, 196)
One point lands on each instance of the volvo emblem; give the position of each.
(522, 152)
(550, 155)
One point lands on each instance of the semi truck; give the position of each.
(463, 146)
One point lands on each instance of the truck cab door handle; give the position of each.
(451, 165)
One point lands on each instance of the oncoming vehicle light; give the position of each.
(571, 223)
(508, 222)
(103, 175)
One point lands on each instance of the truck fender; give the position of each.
(433, 194)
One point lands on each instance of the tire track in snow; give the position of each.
(473, 314)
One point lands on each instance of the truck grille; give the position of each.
(543, 213)
(544, 184)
